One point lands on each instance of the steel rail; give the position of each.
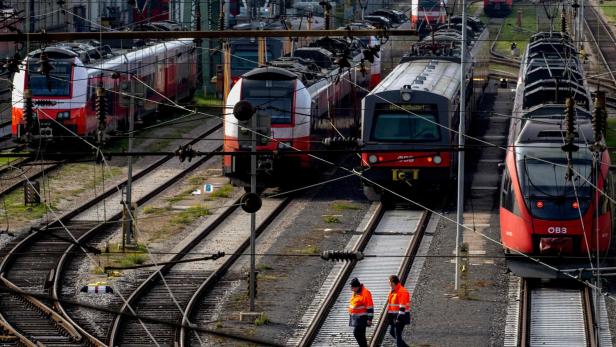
(151, 281)
(59, 270)
(544, 310)
(601, 25)
(181, 334)
(12, 255)
(403, 273)
(341, 280)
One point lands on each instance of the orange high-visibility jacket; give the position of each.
(399, 303)
(361, 305)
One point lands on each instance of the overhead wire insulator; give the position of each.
(28, 112)
(599, 121)
(569, 122)
(342, 255)
(101, 113)
(185, 152)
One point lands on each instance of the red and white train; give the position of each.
(552, 203)
(426, 15)
(64, 100)
(300, 101)
(406, 118)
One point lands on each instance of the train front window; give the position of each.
(405, 127)
(57, 83)
(271, 98)
(547, 191)
(429, 5)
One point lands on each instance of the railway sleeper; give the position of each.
(64, 327)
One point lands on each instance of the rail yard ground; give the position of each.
(328, 216)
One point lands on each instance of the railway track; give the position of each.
(174, 290)
(32, 264)
(396, 231)
(603, 38)
(554, 314)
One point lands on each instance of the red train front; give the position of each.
(554, 198)
(552, 205)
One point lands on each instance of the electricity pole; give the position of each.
(128, 210)
(253, 215)
(461, 131)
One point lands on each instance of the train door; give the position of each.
(171, 89)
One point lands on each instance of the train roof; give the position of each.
(93, 52)
(553, 131)
(444, 42)
(552, 72)
(435, 76)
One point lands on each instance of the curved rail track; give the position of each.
(399, 231)
(173, 291)
(31, 264)
(603, 38)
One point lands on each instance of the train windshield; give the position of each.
(429, 5)
(419, 124)
(56, 84)
(547, 191)
(272, 98)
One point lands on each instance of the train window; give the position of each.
(57, 83)
(507, 195)
(273, 98)
(405, 127)
(547, 191)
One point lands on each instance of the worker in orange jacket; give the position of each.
(398, 310)
(361, 311)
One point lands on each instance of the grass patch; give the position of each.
(7, 160)
(222, 192)
(609, 10)
(330, 219)
(511, 33)
(155, 210)
(309, 250)
(344, 205)
(207, 101)
(262, 320)
(263, 267)
(14, 205)
(180, 197)
(131, 259)
(190, 215)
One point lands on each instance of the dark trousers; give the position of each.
(395, 330)
(359, 332)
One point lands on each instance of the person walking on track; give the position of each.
(361, 311)
(398, 310)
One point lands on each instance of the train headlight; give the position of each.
(284, 145)
(437, 159)
(406, 96)
(372, 159)
(63, 115)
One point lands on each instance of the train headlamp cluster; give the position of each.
(437, 159)
(405, 93)
(372, 159)
(284, 145)
(63, 115)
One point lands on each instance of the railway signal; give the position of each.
(243, 112)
